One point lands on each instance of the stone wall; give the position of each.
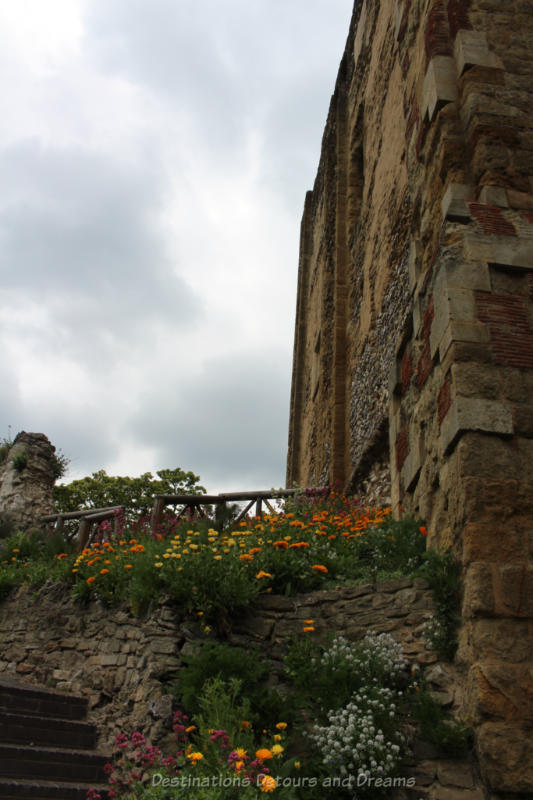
(26, 493)
(415, 312)
(123, 664)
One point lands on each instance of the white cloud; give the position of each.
(154, 160)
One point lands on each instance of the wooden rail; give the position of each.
(192, 503)
(195, 502)
(86, 518)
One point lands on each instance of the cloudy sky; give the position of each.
(154, 158)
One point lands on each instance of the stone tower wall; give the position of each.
(415, 313)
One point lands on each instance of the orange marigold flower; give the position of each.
(268, 784)
(246, 557)
(280, 544)
(128, 566)
(281, 726)
(320, 568)
(91, 579)
(308, 629)
(254, 550)
(263, 754)
(423, 530)
(262, 574)
(307, 622)
(104, 571)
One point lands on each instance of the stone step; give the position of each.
(51, 764)
(48, 790)
(26, 699)
(30, 729)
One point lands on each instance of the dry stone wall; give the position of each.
(123, 663)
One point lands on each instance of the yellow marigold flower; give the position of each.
(297, 764)
(158, 564)
(277, 749)
(166, 555)
(268, 784)
(277, 737)
(217, 558)
(281, 726)
(195, 757)
(263, 754)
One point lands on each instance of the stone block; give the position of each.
(474, 414)
(440, 85)
(514, 590)
(482, 456)
(511, 251)
(478, 591)
(454, 773)
(494, 542)
(493, 196)
(452, 304)
(475, 380)
(471, 49)
(453, 203)
(505, 753)
(501, 640)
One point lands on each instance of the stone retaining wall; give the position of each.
(123, 664)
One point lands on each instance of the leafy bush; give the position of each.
(436, 724)
(443, 573)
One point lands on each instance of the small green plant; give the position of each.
(437, 726)
(218, 660)
(20, 462)
(60, 464)
(443, 574)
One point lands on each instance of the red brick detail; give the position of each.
(403, 23)
(444, 399)
(437, 33)
(425, 362)
(530, 285)
(528, 216)
(413, 118)
(402, 448)
(407, 371)
(492, 220)
(458, 16)
(511, 335)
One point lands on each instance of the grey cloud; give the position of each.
(229, 424)
(78, 232)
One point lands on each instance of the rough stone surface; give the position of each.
(415, 313)
(26, 493)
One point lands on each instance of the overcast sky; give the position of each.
(154, 159)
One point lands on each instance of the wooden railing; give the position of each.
(86, 519)
(191, 504)
(195, 502)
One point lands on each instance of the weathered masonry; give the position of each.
(414, 325)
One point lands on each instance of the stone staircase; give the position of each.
(47, 749)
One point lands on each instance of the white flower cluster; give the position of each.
(362, 738)
(375, 652)
(353, 742)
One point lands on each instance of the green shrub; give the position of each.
(443, 574)
(20, 462)
(437, 726)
